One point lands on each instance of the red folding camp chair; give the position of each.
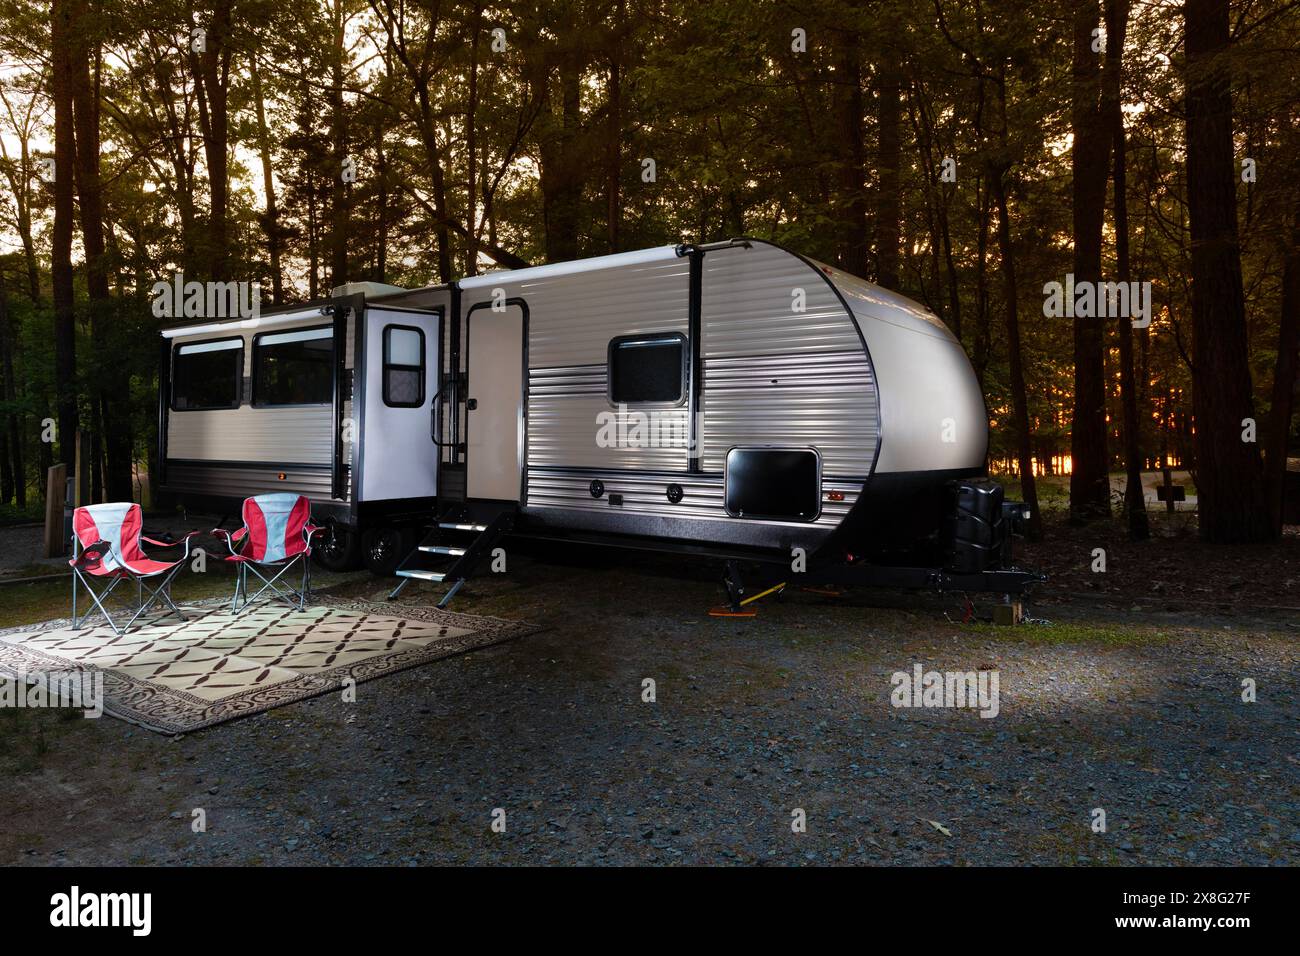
(276, 534)
(106, 547)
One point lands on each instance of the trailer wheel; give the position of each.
(383, 548)
(338, 549)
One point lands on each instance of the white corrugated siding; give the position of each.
(302, 435)
(572, 318)
(779, 377)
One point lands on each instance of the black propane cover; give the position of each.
(973, 527)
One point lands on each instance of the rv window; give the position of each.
(403, 366)
(647, 368)
(207, 375)
(294, 368)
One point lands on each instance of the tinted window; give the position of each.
(647, 368)
(403, 366)
(207, 374)
(294, 368)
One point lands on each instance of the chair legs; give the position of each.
(279, 591)
(239, 588)
(160, 593)
(97, 601)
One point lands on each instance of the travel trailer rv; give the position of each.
(734, 400)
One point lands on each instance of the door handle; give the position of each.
(435, 417)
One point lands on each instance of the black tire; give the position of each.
(337, 549)
(384, 548)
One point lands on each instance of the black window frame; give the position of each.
(239, 378)
(684, 391)
(385, 365)
(252, 373)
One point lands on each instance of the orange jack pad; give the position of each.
(727, 612)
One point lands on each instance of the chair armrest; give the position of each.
(92, 556)
(234, 539)
(169, 544)
(174, 544)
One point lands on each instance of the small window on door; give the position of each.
(648, 369)
(403, 366)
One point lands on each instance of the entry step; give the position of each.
(441, 549)
(463, 527)
(421, 574)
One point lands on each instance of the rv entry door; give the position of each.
(495, 412)
(398, 458)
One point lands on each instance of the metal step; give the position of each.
(463, 559)
(422, 575)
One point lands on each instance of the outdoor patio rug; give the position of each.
(176, 676)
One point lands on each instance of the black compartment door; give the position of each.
(782, 484)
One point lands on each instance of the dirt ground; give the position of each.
(1129, 702)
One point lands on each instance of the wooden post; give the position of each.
(56, 489)
(81, 471)
(1009, 613)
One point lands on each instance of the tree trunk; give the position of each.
(211, 68)
(1229, 477)
(923, 129)
(271, 217)
(471, 148)
(614, 134)
(983, 322)
(111, 376)
(340, 189)
(980, 357)
(1284, 377)
(65, 158)
(84, 51)
(855, 247)
(561, 172)
(1134, 501)
(313, 240)
(889, 193)
(11, 472)
(1090, 474)
(1019, 393)
(381, 207)
(11, 428)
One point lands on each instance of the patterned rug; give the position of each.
(176, 676)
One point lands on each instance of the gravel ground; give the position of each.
(1138, 713)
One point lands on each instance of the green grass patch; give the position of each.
(26, 736)
(1069, 632)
